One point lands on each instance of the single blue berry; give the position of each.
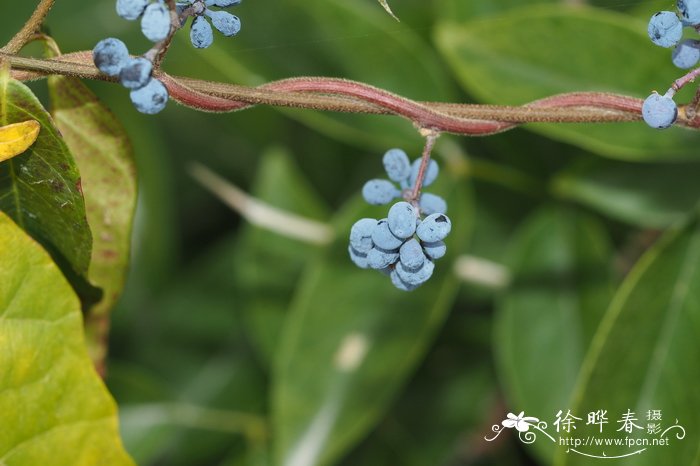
(418, 276)
(412, 255)
(686, 54)
(358, 258)
(378, 258)
(434, 227)
(379, 192)
(397, 165)
(110, 55)
(201, 34)
(384, 238)
(690, 11)
(155, 23)
(431, 172)
(402, 220)
(400, 284)
(136, 73)
(226, 23)
(432, 204)
(434, 250)
(665, 29)
(131, 9)
(151, 98)
(659, 111)
(361, 235)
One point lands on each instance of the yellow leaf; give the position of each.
(16, 138)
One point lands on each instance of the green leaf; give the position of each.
(646, 195)
(350, 334)
(459, 10)
(512, 59)
(545, 321)
(645, 354)
(104, 156)
(55, 409)
(268, 265)
(40, 189)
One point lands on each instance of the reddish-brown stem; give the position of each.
(430, 138)
(331, 94)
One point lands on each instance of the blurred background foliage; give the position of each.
(222, 347)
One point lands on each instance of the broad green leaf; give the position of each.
(334, 38)
(105, 158)
(645, 354)
(511, 59)
(350, 342)
(268, 265)
(17, 137)
(40, 189)
(55, 409)
(647, 195)
(560, 261)
(447, 401)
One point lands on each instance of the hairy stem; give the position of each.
(430, 138)
(340, 95)
(32, 26)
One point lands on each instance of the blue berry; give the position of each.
(110, 55)
(659, 111)
(411, 254)
(357, 258)
(686, 54)
(432, 204)
(402, 220)
(400, 284)
(435, 227)
(379, 192)
(131, 9)
(665, 29)
(397, 165)
(384, 238)
(361, 235)
(151, 98)
(418, 276)
(379, 258)
(431, 172)
(155, 24)
(222, 3)
(689, 10)
(201, 34)
(226, 23)
(434, 250)
(136, 73)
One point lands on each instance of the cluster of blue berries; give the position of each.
(405, 244)
(111, 55)
(148, 94)
(666, 30)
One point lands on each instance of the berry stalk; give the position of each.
(430, 139)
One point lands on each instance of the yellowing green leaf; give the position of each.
(16, 138)
(104, 156)
(55, 409)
